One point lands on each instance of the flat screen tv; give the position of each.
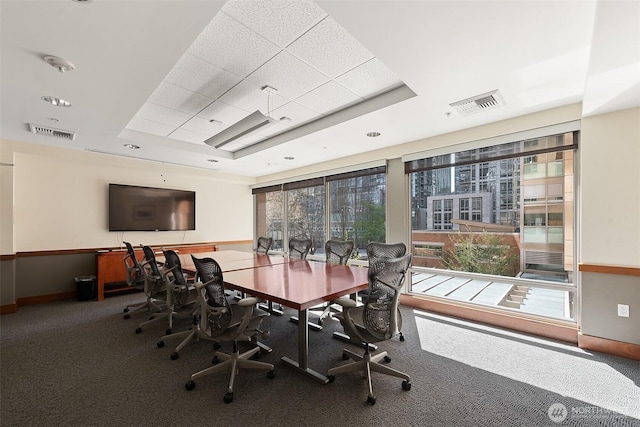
(133, 208)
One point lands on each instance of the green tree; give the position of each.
(370, 224)
(484, 252)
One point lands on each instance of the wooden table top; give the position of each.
(232, 260)
(299, 284)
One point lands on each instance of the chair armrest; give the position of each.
(345, 302)
(245, 302)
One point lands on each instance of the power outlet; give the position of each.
(623, 310)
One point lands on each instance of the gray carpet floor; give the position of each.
(79, 363)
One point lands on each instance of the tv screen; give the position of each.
(133, 208)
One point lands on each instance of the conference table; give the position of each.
(294, 283)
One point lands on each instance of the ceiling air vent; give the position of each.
(56, 133)
(485, 101)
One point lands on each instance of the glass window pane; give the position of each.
(269, 217)
(357, 207)
(305, 210)
(535, 235)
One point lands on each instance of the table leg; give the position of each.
(303, 349)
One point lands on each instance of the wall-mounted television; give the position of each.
(133, 208)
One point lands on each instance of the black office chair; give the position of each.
(181, 295)
(219, 322)
(376, 320)
(135, 280)
(337, 252)
(264, 244)
(155, 288)
(385, 250)
(377, 250)
(144, 276)
(299, 248)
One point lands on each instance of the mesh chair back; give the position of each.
(299, 248)
(338, 251)
(377, 250)
(155, 285)
(210, 273)
(180, 288)
(264, 244)
(151, 260)
(380, 314)
(172, 261)
(135, 276)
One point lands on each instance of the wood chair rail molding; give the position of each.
(609, 269)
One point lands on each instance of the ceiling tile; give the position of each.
(290, 76)
(203, 126)
(160, 114)
(281, 21)
(149, 126)
(227, 114)
(198, 75)
(250, 97)
(297, 113)
(369, 78)
(231, 46)
(330, 48)
(328, 97)
(177, 98)
(188, 136)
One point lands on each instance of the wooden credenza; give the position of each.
(111, 271)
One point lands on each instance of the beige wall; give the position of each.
(61, 200)
(609, 222)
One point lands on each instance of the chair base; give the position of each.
(368, 363)
(232, 362)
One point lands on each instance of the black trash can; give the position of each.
(86, 287)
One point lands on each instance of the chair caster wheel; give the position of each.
(228, 398)
(345, 356)
(138, 330)
(168, 332)
(371, 400)
(190, 385)
(331, 378)
(387, 359)
(271, 374)
(127, 316)
(174, 355)
(215, 360)
(406, 385)
(126, 310)
(160, 344)
(401, 337)
(320, 322)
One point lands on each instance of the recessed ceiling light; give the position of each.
(212, 160)
(289, 158)
(132, 146)
(373, 134)
(60, 64)
(56, 101)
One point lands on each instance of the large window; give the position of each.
(497, 212)
(347, 206)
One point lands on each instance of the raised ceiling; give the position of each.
(167, 75)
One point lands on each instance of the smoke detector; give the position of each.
(60, 64)
(56, 133)
(482, 102)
